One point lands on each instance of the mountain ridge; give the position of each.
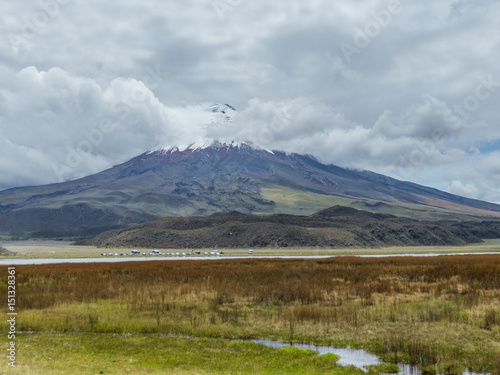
(217, 178)
(333, 227)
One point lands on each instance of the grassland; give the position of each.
(298, 202)
(98, 353)
(64, 249)
(442, 313)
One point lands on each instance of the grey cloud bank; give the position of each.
(408, 89)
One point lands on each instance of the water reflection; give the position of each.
(348, 357)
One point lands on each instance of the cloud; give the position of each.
(406, 104)
(66, 126)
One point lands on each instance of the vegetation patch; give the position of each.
(90, 353)
(330, 357)
(297, 351)
(383, 369)
(441, 313)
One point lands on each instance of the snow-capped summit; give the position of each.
(198, 146)
(222, 113)
(212, 122)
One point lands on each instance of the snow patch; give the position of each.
(198, 146)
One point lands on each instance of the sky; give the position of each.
(406, 89)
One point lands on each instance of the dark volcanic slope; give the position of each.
(201, 182)
(333, 227)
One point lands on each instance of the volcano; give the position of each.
(203, 179)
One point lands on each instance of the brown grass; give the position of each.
(425, 310)
(330, 281)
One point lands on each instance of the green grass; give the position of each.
(383, 369)
(88, 353)
(445, 332)
(297, 202)
(440, 312)
(330, 357)
(290, 201)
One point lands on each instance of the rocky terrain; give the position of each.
(333, 227)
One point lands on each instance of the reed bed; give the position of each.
(440, 312)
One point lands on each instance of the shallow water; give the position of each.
(348, 357)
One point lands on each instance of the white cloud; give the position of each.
(65, 126)
(395, 108)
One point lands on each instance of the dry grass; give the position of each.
(436, 311)
(329, 281)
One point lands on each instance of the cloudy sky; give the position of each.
(407, 89)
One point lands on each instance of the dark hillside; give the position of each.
(333, 227)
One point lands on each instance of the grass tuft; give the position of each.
(441, 313)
